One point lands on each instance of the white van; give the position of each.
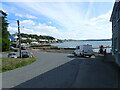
(83, 50)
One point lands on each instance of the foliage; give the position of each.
(37, 37)
(26, 41)
(24, 35)
(59, 41)
(5, 44)
(5, 33)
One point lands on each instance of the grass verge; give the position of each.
(13, 63)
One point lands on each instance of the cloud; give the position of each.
(31, 27)
(94, 28)
(62, 13)
(47, 30)
(70, 21)
(102, 18)
(20, 15)
(24, 30)
(26, 16)
(50, 22)
(12, 29)
(27, 22)
(99, 27)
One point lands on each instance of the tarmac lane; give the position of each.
(58, 70)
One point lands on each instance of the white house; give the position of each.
(23, 38)
(34, 43)
(33, 39)
(115, 19)
(43, 40)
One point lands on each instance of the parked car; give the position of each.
(25, 54)
(12, 55)
(83, 50)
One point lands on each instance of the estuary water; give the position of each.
(95, 44)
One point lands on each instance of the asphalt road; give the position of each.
(45, 62)
(57, 70)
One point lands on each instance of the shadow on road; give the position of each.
(72, 56)
(77, 57)
(60, 77)
(78, 73)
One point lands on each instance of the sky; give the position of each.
(62, 20)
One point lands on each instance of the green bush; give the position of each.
(5, 44)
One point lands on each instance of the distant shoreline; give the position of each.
(98, 40)
(91, 40)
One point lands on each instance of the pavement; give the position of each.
(57, 70)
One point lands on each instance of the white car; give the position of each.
(83, 50)
(12, 55)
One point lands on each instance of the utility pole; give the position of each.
(19, 37)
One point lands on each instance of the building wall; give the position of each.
(116, 32)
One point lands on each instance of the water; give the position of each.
(73, 44)
(95, 44)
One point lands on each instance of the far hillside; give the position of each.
(28, 38)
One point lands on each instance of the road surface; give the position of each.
(57, 70)
(45, 62)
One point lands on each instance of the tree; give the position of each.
(24, 35)
(5, 44)
(36, 37)
(48, 37)
(5, 34)
(26, 41)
